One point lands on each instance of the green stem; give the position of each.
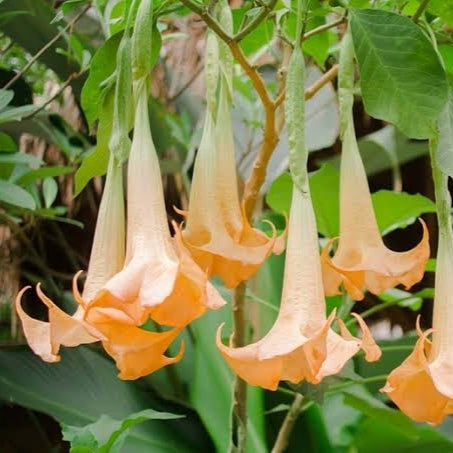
(402, 347)
(378, 308)
(300, 22)
(337, 388)
(443, 200)
(265, 10)
(288, 424)
(239, 409)
(420, 10)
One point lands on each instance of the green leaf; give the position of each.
(446, 51)
(324, 187)
(102, 67)
(84, 386)
(260, 37)
(95, 163)
(393, 209)
(49, 191)
(44, 172)
(6, 96)
(402, 298)
(382, 149)
(318, 45)
(399, 209)
(19, 158)
(445, 142)
(401, 77)
(15, 113)
(15, 195)
(443, 9)
(108, 434)
(7, 143)
(374, 408)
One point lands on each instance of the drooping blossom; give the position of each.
(362, 261)
(217, 231)
(159, 279)
(107, 258)
(301, 344)
(422, 386)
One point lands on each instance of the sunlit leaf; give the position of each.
(401, 77)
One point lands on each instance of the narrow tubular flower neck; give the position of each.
(301, 344)
(217, 232)
(362, 261)
(422, 385)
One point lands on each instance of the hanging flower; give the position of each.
(362, 261)
(107, 258)
(217, 232)
(422, 385)
(301, 344)
(159, 280)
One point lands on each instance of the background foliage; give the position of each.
(55, 123)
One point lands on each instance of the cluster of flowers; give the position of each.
(139, 272)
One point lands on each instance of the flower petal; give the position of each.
(362, 261)
(218, 233)
(138, 352)
(45, 338)
(375, 269)
(412, 387)
(266, 362)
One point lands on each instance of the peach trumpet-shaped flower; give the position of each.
(217, 232)
(301, 344)
(422, 386)
(107, 258)
(362, 261)
(137, 352)
(159, 280)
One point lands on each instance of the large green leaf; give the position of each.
(95, 163)
(393, 209)
(401, 77)
(108, 435)
(12, 194)
(83, 387)
(102, 66)
(399, 209)
(212, 385)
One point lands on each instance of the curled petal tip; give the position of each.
(182, 212)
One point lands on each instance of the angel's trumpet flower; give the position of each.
(107, 258)
(422, 386)
(137, 352)
(301, 344)
(159, 280)
(218, 233)
(362, 261)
